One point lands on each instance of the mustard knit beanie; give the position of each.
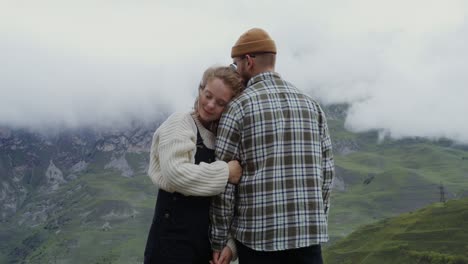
(254, 40)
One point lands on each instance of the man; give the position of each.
(278, 211)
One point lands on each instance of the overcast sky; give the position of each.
(402, 65)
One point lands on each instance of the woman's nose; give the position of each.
(211, 104)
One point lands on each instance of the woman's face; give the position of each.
(213, 98)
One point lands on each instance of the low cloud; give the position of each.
(401, 66)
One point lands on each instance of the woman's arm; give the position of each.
(172, 155)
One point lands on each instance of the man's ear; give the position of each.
(250, 62)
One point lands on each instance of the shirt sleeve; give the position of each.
(328, 167)
(222, 211)
(174, 152)
(223, 205)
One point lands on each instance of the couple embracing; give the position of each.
(248, 173)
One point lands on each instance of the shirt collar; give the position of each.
(262, 77)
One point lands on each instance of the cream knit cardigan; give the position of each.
(172, 159)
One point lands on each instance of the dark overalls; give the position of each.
(179, 232)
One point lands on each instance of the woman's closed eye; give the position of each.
(221, 103)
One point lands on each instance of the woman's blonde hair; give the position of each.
(228, 76)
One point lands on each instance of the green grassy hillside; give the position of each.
(435, 234)
(98, 218)
(384, 178)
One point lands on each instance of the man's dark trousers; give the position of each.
(306, 255)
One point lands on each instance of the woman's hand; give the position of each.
(235, 171)
(223, 257)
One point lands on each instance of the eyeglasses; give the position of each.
(234, 64)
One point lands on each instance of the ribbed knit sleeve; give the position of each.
(232, 245)
(172, 160)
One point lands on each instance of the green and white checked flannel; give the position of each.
(281, 137)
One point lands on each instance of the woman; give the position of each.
(182, 164)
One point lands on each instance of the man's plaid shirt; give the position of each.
(281, 137)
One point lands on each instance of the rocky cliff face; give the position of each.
(32, 162)
(40, 162)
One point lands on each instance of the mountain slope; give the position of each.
(83, 196)
(76, 196)
(379, 178)
(97, 218)
(435, 234)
